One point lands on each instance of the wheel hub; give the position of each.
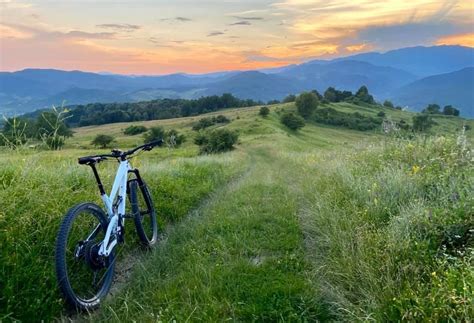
(92, 257)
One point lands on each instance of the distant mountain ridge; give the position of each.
(455, 88)
(394, 74)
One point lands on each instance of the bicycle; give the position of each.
(88, 235)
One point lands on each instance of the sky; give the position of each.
(146, 37)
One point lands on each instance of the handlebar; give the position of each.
(88, 160)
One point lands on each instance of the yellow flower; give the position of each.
(415, 169)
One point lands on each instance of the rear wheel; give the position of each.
(84, 277)
(143, 213)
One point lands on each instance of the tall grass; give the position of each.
(390, 231)
(37, 189)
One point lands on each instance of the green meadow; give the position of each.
(322, 224)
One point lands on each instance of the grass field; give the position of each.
(324, 224)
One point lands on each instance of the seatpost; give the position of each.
(97, 178)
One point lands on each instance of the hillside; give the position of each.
(290, 225)
(456, 88)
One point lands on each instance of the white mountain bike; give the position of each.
(88, 236)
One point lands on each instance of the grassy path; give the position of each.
(240, 257)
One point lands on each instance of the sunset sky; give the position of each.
(161, 37)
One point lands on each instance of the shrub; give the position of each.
(102, 140)
(432, 109)
(219, 140)
(354, 120)
(381, 114)
(264, 111)
(208, 122)
(292, 121)
(388, 104)
(134, 130)
(422, 122)
(154, 133)
(306, 104)
(174, 139)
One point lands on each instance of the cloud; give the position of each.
(183, 19)
(409, 34)
(241, 23)
(248, 18)
(215, 33)
(465, 39)
(177, 19)
(120, 27)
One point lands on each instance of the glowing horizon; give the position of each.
(158, 37)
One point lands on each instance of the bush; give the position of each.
(306, 104)
(102, 140)
(381, 114)
(354, 120)
(134, 130)
(154, 133)
(292, 121)
(388, 104)
(264, 111)
(173, 138)
(210, 121)
(432, 109)
(219, 140)
(422, 122)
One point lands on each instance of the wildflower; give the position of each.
(415, 169)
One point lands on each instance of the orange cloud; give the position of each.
(459, 39)
(357, 48)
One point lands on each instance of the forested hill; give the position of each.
(103, 113)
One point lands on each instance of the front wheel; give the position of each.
(84, 276)
(143, 213)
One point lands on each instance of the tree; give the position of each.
(264, 111)
(289, 98)
(388, 104)
(271, 102)
(102, 140)
(330, 94)
(292, 121)
(154, 133)
(318, 95)
(432, 109)
(364, 96)
(306, 104)
(449, 110)
(422, 122)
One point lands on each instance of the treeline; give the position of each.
(103, 113)
(332, 95)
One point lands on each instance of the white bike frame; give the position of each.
(115, 207)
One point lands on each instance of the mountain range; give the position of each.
(412, 77)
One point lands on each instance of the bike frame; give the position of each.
(114, 205)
